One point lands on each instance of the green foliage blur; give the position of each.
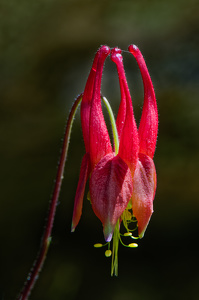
(46, 51)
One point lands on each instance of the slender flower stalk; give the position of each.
(46, 240)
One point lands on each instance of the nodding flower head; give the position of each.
(122, 176)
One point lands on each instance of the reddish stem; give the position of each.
(45, 242)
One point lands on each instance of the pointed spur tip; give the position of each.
(133, 49)
(116, 50)
(116, 55)
(105, 50)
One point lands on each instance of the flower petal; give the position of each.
(148, 128)
(144, 186)
(86, 102)
(111, 188)
(84, 172)
(129, 143)
(122, 108)
(100, 144)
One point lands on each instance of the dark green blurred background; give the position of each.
(46, 51)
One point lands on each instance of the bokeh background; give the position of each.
(46, 51)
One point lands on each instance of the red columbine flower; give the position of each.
(123, 178)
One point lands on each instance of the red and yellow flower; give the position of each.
(122, 176)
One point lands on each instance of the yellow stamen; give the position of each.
(98, 245)
(133, 245)
(127, 234)
(135, 237)
(116, 239)
(108, 253)
(127, 217)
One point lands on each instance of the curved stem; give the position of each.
(46, 239)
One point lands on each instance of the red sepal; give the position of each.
(100, 144)
(84, 172)
(148, 128)
(144, 187)
(111, 187)
(129, 143)
(86, 102)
